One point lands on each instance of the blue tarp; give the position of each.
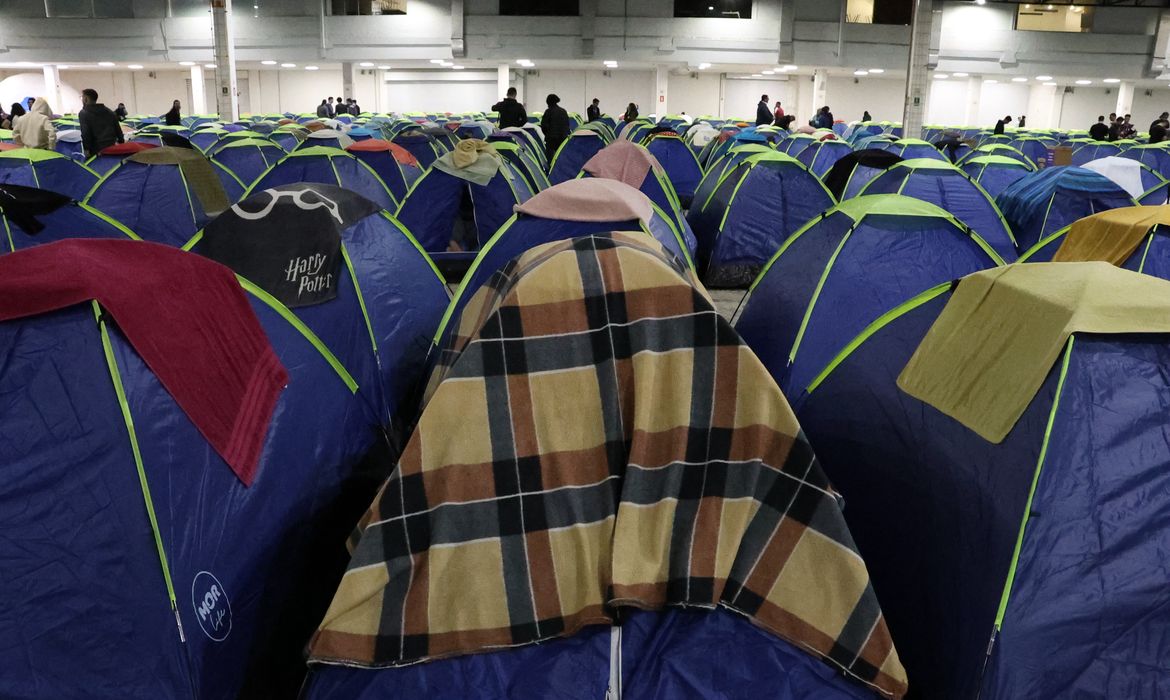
(1048, 200)
(573, 154)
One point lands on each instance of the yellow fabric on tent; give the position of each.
(988, 352)
(197, 172)
(1110, 236)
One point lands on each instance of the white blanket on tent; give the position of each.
(1124, 172)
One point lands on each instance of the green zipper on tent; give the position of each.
(878, 324)
(8, 232)
(1011, 577)
(817, 292)
(128, 419)
(296, 323)
(361, 303)
(190, 204)
(1146, 250)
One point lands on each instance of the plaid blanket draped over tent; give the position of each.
(601, 438)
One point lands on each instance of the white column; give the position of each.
(226, 101)
(347, 79)
(198, 91)
(1124, 98)
(820, 94)
(974, 94)
(917, 70)
(53, 89)
(503, 80)
(661, 80)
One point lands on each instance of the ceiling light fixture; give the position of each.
(186, 63)
(288, 65)
(106, 64)
(990, 81)
(312, 68)
(877, 70)
(268, 63)
(209, 65)
(860, 72)
(757, 75)
(1049, 84)
(440, 61)
(704, 66)
(366, 64)
(980, 2)
(383, 67)
(1084, 82)
(1044, 77)
(941, 76)
(960, 75)
(1019, 80)
(456, 67)
(1111, 80)
(790, 67)
(134, 66)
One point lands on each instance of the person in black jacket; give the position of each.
(173, 118)
(511, 112)
(99, 125)
(999, 125)
(1100, 130)
(555, 125)
(763, 113)
(593, 111)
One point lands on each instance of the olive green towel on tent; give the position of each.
(1111, 236)
(988, 352)
(197, 172)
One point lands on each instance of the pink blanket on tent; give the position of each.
(623, 161)
(589, 199)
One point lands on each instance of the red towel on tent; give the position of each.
(127, 148)
(185, 315)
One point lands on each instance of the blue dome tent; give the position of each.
(247, 159)
(679, 163)
(1048, 200)
(820, 157)
(1155, 156)
(994, 173)
(910, 149)
(757, 205)
(325, 138)
(327, 166)
(1095, 150)
(464, 205)
(121, 488)
(952, 190)
(683, 640)
(182, 178)
(518, 156)
(1018, 564)
(46, 170)
(844, 270)
(30, 217)
(572, 155)
(397, 167)
(853, 171)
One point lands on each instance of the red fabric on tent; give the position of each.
(400, 154)
(125, 149)
(185, 315)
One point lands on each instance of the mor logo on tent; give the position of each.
(212, 608)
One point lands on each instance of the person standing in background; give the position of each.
(354, 109)
(631, 113)
(323, 110)
(1114, 129)
(1023, 119)
(593, 111)
(1001, 124)
(555, 125)
(510, 110)
(35, 129)
(777, 114)
(763, 114)
(1128, 130)
(1100, 130)
(16, 112)
(173, 117)
(865, 116)
(99, 126)
(329, 113)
